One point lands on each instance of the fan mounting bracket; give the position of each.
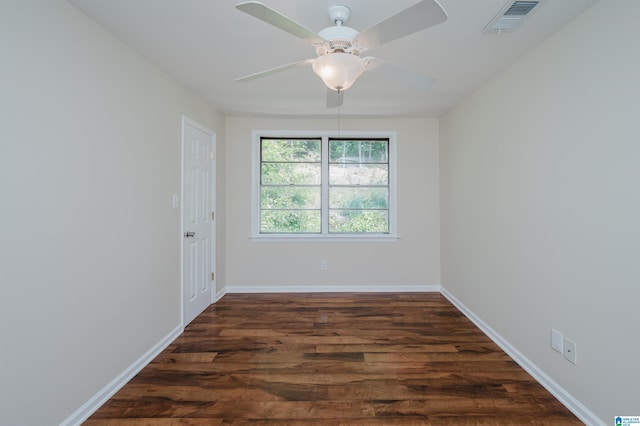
(339, 14)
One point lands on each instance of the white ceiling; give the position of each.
(207, 44)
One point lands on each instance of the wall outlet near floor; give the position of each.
(324, 265)
(556, 340)
(569, 350)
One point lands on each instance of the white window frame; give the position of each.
(256, 136)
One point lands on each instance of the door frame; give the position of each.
(186, 121)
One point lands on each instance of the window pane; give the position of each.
(358, 198)
(358, 151)
(291, 173)
(358, 221)
(290, 197)
(290, 221)
(358, 174)
(290, 150)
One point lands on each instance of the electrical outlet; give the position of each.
(569, 350)
(324, 265)
(556, 341)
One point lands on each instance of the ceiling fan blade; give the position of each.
(398, 74)
(420, 16)
(273, 70)
(334, 99)
(270, 16)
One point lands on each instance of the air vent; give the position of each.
(511, 15)
(520, 8)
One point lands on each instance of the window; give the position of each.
(317, 185)
(359, 186)
(290, 186)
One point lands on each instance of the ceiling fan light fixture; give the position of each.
(339, 70)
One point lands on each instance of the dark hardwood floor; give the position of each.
(331, 359)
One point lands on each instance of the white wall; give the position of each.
(411, 261)
(90, 246)
(540, 206)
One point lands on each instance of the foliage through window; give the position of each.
(324, 186)
(290, 185)
(358, 186)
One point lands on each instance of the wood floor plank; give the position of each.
(331, 359)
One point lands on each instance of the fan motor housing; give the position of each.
(339, 38)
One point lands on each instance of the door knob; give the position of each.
(189, 234)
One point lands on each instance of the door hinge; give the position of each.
(213, 215)
(213, 276)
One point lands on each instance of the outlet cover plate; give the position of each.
(569, 350)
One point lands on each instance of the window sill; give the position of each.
(278, 238)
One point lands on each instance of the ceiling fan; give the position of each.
(338, 48)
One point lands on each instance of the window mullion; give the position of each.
(325, 186)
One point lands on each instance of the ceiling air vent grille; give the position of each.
(520, 8)
(511, 16)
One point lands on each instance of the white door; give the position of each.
(198, 231)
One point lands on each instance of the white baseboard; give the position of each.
(561, 394)
(89, 407)
(332, 289)
(219, 295)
